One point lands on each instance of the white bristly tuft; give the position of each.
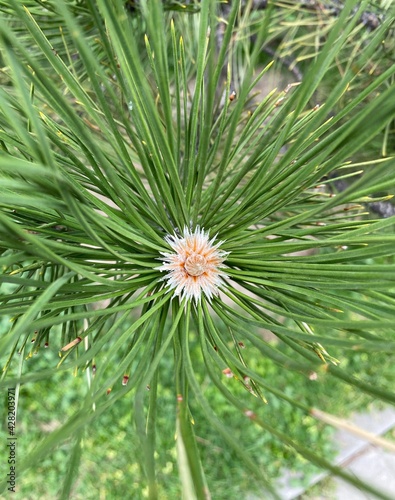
(195, 265)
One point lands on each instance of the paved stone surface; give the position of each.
(374, 466)
(371, 464)
(377, 422)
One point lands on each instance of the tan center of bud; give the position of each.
(195, 265)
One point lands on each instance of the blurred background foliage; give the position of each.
(110, 464)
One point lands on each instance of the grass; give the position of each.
(111, 451)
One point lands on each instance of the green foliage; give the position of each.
(119, 126)
(110, 449)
